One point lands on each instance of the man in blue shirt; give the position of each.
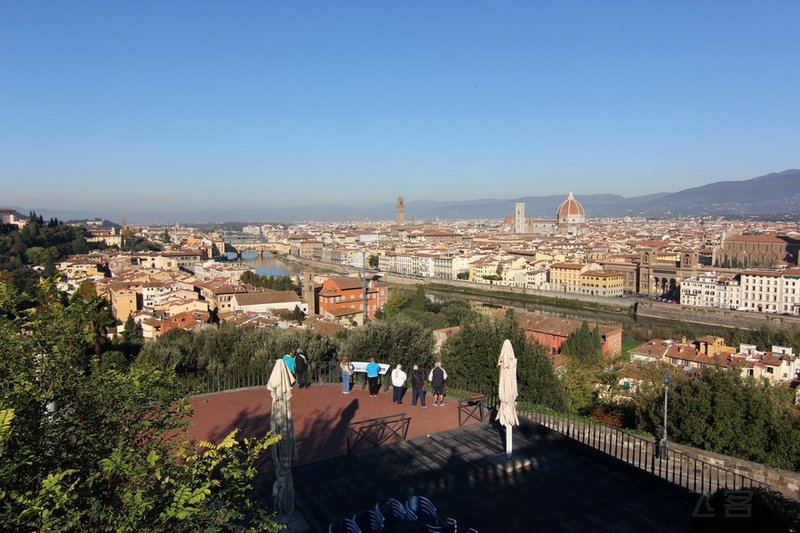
(373, 370)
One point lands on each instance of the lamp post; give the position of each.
(666, 378)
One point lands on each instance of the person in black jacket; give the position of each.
(417, 387)
(301, 368)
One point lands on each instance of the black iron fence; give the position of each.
(670, 464)
(211, 381)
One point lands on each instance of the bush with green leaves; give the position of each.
(719, 411)
(395, 341)
(84, 446)
(229, 348)
(471, 355)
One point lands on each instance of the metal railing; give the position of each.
(672, 465)
(211, 381)
(377, 431)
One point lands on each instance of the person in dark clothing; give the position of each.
(301, 368)
(373, 370)
(417, 387)
(437, 377)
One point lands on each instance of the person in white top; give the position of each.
(398, 384)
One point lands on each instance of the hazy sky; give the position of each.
(220, 103)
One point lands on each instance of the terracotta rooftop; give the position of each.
(266, 297)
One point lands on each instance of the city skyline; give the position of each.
(192, 106)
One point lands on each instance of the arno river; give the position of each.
(269, 265)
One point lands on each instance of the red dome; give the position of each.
(570, 207)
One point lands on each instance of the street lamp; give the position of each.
(666, 378)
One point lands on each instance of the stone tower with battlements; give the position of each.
(308, 290)
(400, 211)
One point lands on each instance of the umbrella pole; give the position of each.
(508, 441)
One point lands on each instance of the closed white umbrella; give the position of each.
(284, 452)
(507, 411)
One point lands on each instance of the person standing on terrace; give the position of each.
(301, 367)
(417, 387)
(437, 377)
(289, 360)
(373, 371)
(347, 371)
(398, 384)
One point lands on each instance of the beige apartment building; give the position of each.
(566, 277)
(778, 365)
(600, 283)
(167, 260)
(123, 301)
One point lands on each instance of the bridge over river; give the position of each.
(239, 246)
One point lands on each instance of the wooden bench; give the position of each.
(377, 431)
(471, 408)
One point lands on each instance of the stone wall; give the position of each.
(783, 481)
(623, 305)
(715, 317)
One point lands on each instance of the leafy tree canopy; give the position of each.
(719, 411)
(471, 355)
(275, 283)
(234, 349)
(398, 340)
(584, 345)
(84, 446)
(38, 243)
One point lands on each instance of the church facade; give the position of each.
(570, 220)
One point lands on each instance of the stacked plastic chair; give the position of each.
(417, 511)
(369, 520)
(344, 525)
(393, 511)
(423, 510)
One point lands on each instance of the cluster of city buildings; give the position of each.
(183, 289)
(612, 257)
(761, 291)
(180, 287)
(740, 265)
(778, 365)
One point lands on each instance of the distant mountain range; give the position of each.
(777, 193)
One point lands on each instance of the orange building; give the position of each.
(551, 332)
(342, 299)
(183, 321)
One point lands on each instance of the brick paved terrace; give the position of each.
(322, 416)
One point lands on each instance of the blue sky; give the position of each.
(195, 104)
